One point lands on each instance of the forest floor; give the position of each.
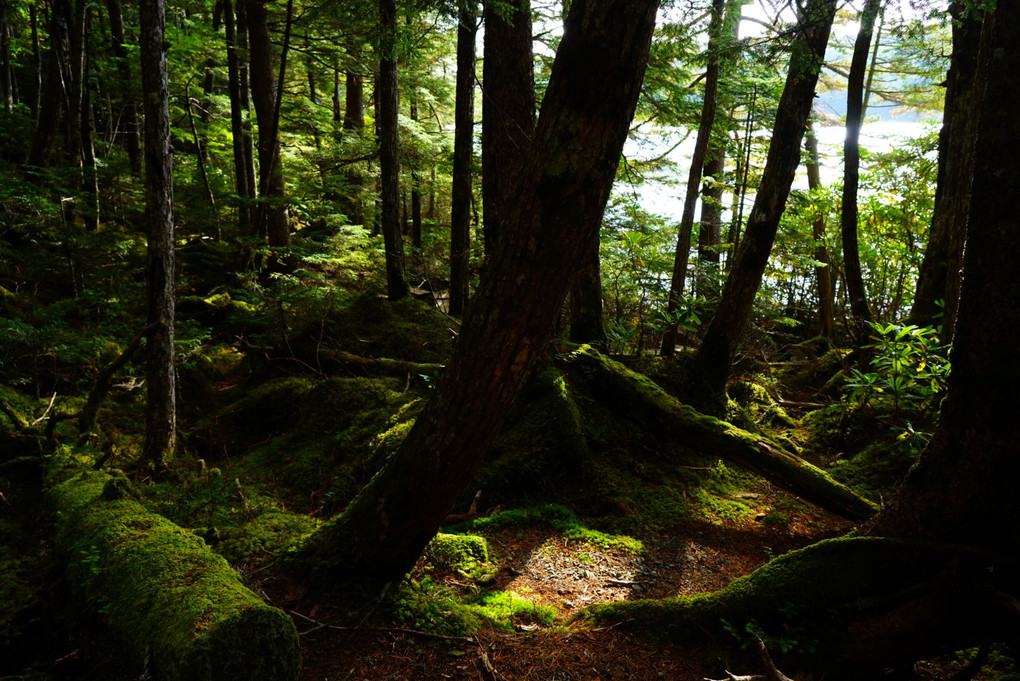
(541, 565)
(538, 563)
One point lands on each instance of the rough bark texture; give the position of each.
(856, 293)
(271, 214)
(508, 110)
(727, 326)
(389, 164)
(52, 90)
(823, 273)
(586, 324)
(710, 230)
(240, 134)
(704, 137)
(590, 101)
(939, 278)
(463, 152)
(161, 410)
(163, 593)
(678, 422)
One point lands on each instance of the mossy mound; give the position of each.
(162, 593)
(462, 553)
(271, 533)
(321, 438)
(407, 329)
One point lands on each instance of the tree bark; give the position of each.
(727, 326)
(389, 164)
(240, 136)
(710, 230)
(558, 209)
(271, 213)
(161, 409)
(353, 123)
(463, 156)
(704, 137)
(508, 110)
(939, 277)
(53, 80)
(586, 325)
(6, 72)
(859, 309)
(823, 273)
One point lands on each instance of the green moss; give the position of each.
(558, 518)
(464, 554)
(159, 588)
(271, 533)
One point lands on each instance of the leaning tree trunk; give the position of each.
(558, 209)
(508, 110)
(161, 410)
(389, 165)
(859, 310)
(704, 137)
(463, 150)
(940, 270)
(727, 326)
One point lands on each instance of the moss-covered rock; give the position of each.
(163, 593)
(463, 553)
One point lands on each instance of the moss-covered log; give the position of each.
(375, 366)
(163, 593)
(847, 607)
(659, 410)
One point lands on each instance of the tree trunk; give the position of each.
(586, 325)
(859, 310)
(727, 326)
(704, 137)
(389, 164)
(129, 110)
(240, 137)
(354, 123)
(558, 209)
(939, 277)
(823, 273)
(53, 93)
(710, 230)
(6, 72)
(271, 213)
(161, 410)
(508, 110)
(463, 155)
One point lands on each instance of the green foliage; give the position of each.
(463, 554)
(909, 364)
(558, 518)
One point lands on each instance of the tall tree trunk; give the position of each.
(240, 136)
(416, 224)
(161, 412)
(352, 203)
(6, 72)
(463, 155)
(89, 170)
(558, 209)
(823, 272)
(704, 137)
(710, 229)
(37, 64)
(389, 164)
(939, 277)
(129, 110)
(858, 297)
(53, 91)
(508, 109)
(727, 325)
(271, 212)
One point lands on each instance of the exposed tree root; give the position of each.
(690, 429)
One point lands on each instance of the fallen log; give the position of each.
(162, 593)
(693, 430)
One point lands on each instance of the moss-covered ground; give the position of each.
(292, 404)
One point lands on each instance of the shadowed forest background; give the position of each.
(508, 340)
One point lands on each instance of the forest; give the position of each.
(513, 339)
